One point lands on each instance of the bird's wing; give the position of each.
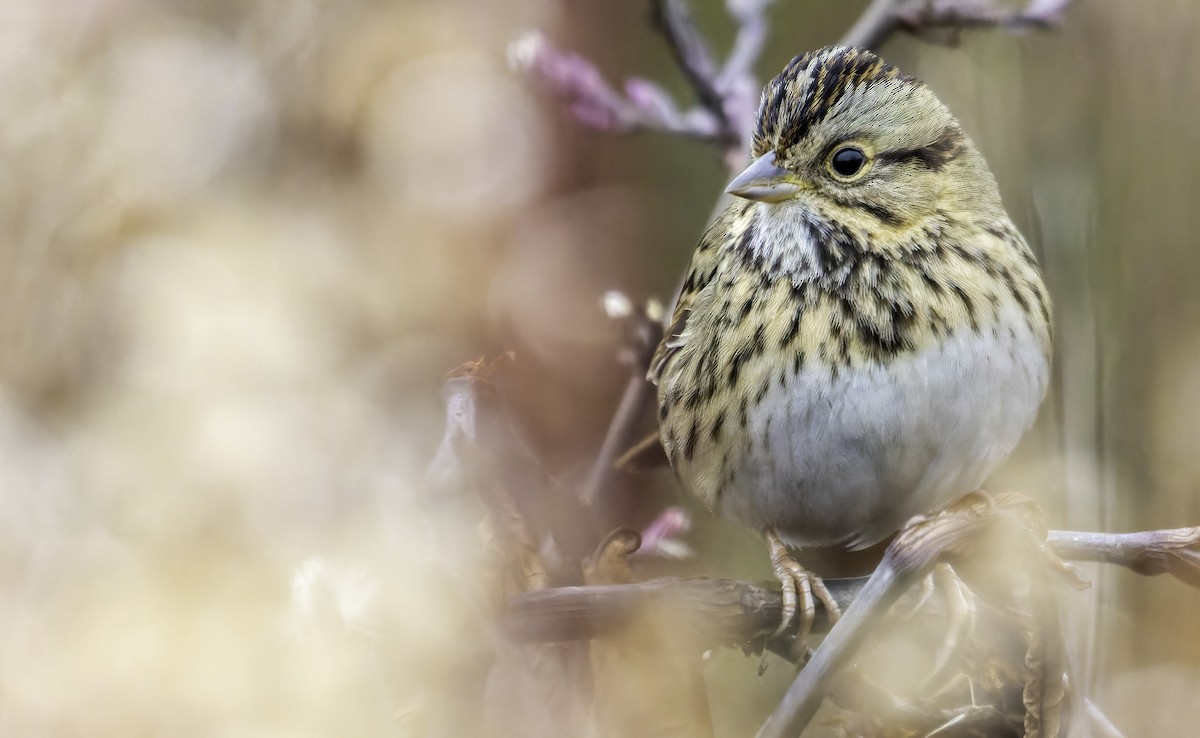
(705, 264)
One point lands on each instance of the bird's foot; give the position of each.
(801, 589)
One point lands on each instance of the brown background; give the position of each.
(242, 242)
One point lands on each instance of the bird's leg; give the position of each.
(960, 606)
(799, 586)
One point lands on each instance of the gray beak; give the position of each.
(763, 181)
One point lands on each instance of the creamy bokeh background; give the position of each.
(241, 242)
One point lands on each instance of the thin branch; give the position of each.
(1173, 551)
(734, 611)
(882, 18)
(751, 16)
(737, 81)
(596, 104)
(673, 19)
(726, 94)
(726, 612)
(646, 330)
(917, 15)
(621, 433)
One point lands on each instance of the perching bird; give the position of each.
(863, 335)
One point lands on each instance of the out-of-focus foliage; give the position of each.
(241, 242)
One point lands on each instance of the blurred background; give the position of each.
(243, 241)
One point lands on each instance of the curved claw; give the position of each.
(799, 588)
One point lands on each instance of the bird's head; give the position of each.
(849, 139)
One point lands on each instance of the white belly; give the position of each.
(847, 459)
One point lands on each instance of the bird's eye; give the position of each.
(847, 162)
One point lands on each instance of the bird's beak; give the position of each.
(763, 181)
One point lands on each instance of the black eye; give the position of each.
(847, 161)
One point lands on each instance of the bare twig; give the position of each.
(690, 50)
(748, 45)
(916, 15)
(1174, 551)
(733, 610)
(737, 81)
(726, 94)
(621, 432)
(726, 611)
(882, 18)
(596, 104)
(645, 331)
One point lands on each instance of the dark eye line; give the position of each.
(933, 157)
